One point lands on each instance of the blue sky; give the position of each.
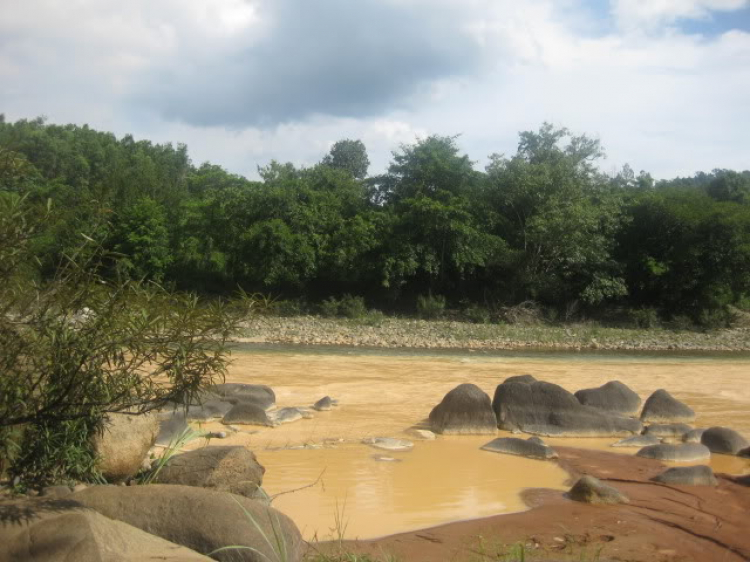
(664, 84)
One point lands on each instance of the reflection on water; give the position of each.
(384, 394)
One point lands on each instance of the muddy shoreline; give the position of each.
(405, 333)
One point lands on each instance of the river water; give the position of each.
(354, 490)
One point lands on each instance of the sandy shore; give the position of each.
(421, 334)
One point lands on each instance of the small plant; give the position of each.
(430, 306)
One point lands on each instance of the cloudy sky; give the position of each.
(665, 84)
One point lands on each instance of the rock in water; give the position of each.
(464, 410)
(662, 407)
(547, 409)
(286, 415)
(124, 443)
(236, 393)
(693, 436)
(723, 440)
(537, 440)
(389, 443)
(614, 397)
(208, 410)
(687, 452)
(520, 447)
(688, 476)
(324, 404)
(592, 490)
(669, 430)
(247, 414)
(638, 441)
(424, 434)
(225, 469)
(522, 379)
(200, 519)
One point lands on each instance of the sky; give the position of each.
(664, 84)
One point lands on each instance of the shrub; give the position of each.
(294, 307)
(352, 307)
(430, 307)
(645, 318)
(477, 314)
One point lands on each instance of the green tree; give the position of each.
(349, 155)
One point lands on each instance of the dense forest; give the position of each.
(542, 226)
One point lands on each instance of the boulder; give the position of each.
(686, 452)
(537, 440)
(324, 404)
(286, 415)
(236, 393)
(688, 476)
(208, 410)
(614, 397)
(389, 443)
(744, 453)
(723, 440)
(171, 426)
(523, 379)
(669, 430)
(520, 447)
(464, 410)
(638, 441)
(662, 407)
(86, 536)
(124, 443)
(592, 490)
(547, 409)
(247, 414)
(693, 436)
(225, 468)
(200, 519)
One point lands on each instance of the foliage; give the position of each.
(349, 155)
(430, 306)
(346, 307)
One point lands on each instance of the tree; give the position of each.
(349, 155)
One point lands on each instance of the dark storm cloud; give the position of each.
(344, 58)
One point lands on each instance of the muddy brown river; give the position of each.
(345, 488)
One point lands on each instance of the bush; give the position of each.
(346, 307)
(681, 323)
(715, 319)
(287, 308)
(430, 307)
(645, 318)
(477, 314)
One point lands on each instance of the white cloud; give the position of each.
(653, 13)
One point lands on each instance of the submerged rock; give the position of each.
(701, 475)
(638, 441)
(247, 414)
(662, 407)
(520, 447)
(693, 436)
(670, 430)
(592, 490)
(548, 409)
(613, 397)
(324, 404)
(389, 443)
(236, 393)
(424, 434)
(286, 415)
(687, 452)
(464, 410)
(723, 440)
(208, 410)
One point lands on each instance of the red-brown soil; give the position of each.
(660, 524)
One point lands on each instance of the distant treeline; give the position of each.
(543, 225)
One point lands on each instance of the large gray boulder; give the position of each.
(637, 441)
(686, 452)
(237, 393)
(723, 440)
(548, 409)
(521, 447)
(200, 519)
(701, 475)
(592, 490)
(522, 379)
(614, 397)
(694, 435)
(123, 444)
(247, 414)
(668, 430)
(82, 535)
(211, 409)
(464, 410)
(662, 407)
(286, 415)
(225, 469)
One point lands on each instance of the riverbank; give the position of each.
(390, 332)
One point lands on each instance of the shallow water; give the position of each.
(386, 393)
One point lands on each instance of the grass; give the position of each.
(571, 549)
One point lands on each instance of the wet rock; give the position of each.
(687, 452)
(662, 407)
(286, 415)
(208, 410)
(688, 476)
(124, 443)
(723, 440)
(464, 410)
(693, 436)
(520, 447)
(537, 440)
(522, 379)
(592, 490)
(389, 443)
(236, 393)
(222, 468)
(668, 430)
(200, 519)
(638, 441)
(324, 404)
(613, 397)
(424, 434)
(547, 409)
(247, 414)
(171, 426)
